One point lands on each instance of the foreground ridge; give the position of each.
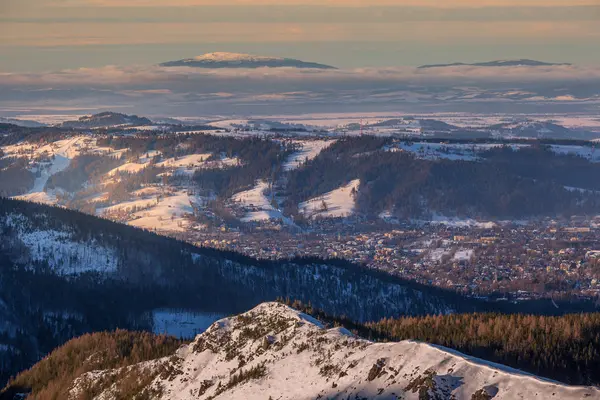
(274, 351)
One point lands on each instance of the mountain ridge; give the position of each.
(497, 63)
(21, 122)
(106, 119)
(240, 60)
(276, 351)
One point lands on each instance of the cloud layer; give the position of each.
(195, 92)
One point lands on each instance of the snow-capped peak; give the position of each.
(224, 56)
(276, 352)
(239, 60)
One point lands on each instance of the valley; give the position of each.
(299, 200)
(402, 202)
(199, 222)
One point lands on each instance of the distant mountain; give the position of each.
(498, 63)
(106, 119)
(276, 352)
(536, 129)
(168, 121)
(21, 122)
(236, 60)
(425, 127)
(524, 128)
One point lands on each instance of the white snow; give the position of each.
(254, 197)
(168, 215)
(52, 158)
(232, 57)
(128, 206)
(66, 256)
(188, 161)
(310, 150)
(164, 212)
(339, 203)
(130, 168)
(302, 360)
(147, 191)
(257, 205)
(230, 123)
(39, 197)
(454, 151)
(590, 153)
(60, 154)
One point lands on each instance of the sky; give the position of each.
(86, 56)
(50, 35)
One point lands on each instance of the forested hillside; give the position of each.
(407, 178)
(500, 182)
(64, 273)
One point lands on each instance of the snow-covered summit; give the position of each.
(106, 119)
(274, 351)
(240, 60)
(224, 56)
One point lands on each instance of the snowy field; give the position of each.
(130, 168)
(310, 150)
(254, 197)
(168, 215)
(454, 151)
(338, 203)
(161, 212)
(257, 205)
(189, 161)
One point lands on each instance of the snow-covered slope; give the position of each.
(257, 205)
(60, 249)
(166, 212)
(309, 151)
(335, 204)
(275, 352)
(237, 60)
(49, 159)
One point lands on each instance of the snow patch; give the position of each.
(66, 256)
(310, 150)
(338, 203)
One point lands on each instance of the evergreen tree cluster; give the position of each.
(565, 348)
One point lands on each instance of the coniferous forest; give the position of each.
(564, 348)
